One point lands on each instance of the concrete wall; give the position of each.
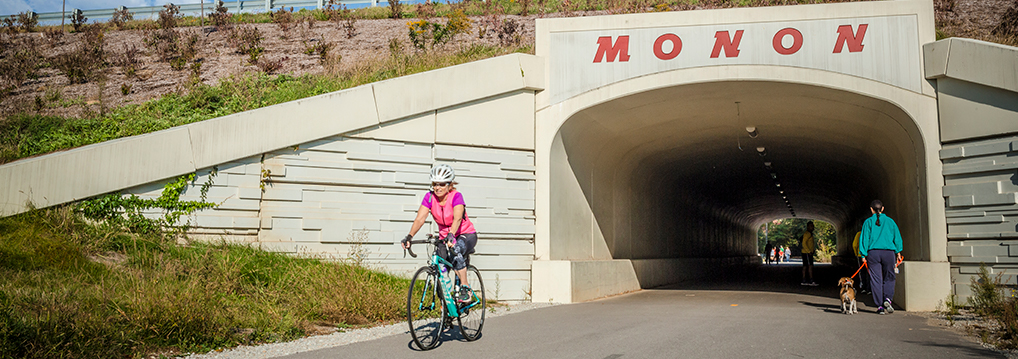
(340, 194)
(977, 85)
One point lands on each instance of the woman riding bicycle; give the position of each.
(449, 211)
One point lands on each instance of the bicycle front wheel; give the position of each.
(424, 308)
(471, 317)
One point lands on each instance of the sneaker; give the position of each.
(465, 295)
(803, 283)
(881, 311)
(812, 284)
(887, 305)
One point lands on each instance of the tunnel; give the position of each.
(677, 179)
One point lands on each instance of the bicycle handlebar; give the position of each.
(432, 239)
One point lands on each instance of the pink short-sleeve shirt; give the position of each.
(443, 213)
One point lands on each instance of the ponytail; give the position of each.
(877, 207)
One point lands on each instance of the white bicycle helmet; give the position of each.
(442, 173)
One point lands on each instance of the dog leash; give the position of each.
(858, 270)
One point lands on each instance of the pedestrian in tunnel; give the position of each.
(788, 254)
(880, 247)
(809, 247)
(781, 254)
(768, 252)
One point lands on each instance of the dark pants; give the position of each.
(881, 268)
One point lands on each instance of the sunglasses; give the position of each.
(441, 184)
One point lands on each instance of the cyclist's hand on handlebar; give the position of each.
(406, 241)
(449, 239)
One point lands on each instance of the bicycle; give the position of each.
(432, 303)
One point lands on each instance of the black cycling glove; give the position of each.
(407, 239)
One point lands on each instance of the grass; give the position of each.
(25, 135)
(74, 289)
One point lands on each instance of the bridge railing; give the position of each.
(236, 6)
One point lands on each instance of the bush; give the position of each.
(284, 19)
(120, 17)
(986, 292)
(78, 20)
(87, 61)
(168, 16)
(221, 16)
(1008, 25)
(271, 66)
(247, 40)
(128, 60)
(19, 64)
(28, 21)
(395, 9)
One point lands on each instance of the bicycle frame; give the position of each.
(447, 276)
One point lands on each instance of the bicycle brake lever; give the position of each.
(411, 253)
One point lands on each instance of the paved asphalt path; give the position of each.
(759, 312)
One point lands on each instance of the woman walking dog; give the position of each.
(880, 247)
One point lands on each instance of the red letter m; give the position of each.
(604, 47)
(845, 36)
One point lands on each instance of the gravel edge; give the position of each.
(336, 339)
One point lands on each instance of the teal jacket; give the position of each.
(884, 236)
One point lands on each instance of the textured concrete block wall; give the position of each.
(338, 195)
(981, 194)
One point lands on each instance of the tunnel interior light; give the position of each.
(752, 131)
(777, 184)
(762, 151)
(781, 191)
(774, 175)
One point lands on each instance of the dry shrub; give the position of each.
(395, 9)
(168, 16)
(1008, 25)
(19, 63)
(271, 66)
(53, 34)
(86, 62)
(120, 17)
(247, 40)
(510, 32)
(284, 19)
(10, 26)
(78, 20)
(163, 43)
(319, 48)
(425, 10)
(28, 21)
(127, 60)
(221, 16)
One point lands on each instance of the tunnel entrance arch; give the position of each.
(647, 176)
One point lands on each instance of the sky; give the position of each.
(8, 7)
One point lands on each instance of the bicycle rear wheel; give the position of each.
(425, 309)
(471, 317)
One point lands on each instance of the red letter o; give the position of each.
(676, 46)
(796, 43)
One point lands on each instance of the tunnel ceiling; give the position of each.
(832, 151)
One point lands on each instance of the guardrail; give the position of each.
(237, 6)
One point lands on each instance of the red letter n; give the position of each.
(731, 46)
(604, 47)
(845, 36)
